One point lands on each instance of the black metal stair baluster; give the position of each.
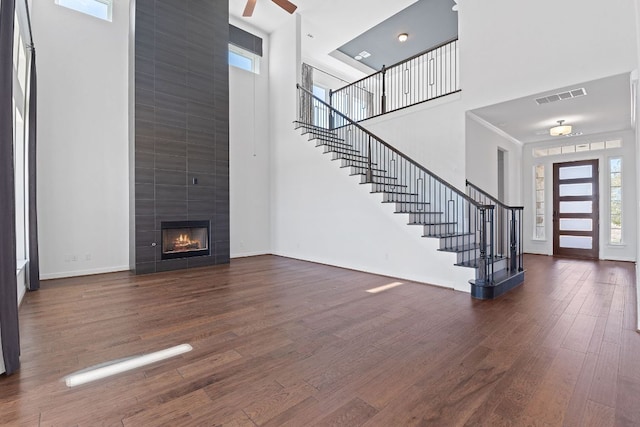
(512, 237)
(383, 100)
(369, 171)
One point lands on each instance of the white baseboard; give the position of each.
(90, 272)
(249, 254)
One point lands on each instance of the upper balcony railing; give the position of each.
(423, 77)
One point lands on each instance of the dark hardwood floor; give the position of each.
(280, 342)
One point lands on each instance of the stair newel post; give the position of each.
(492, 243)
(384, 89)
(482, 262)
(513, 243)
(331, 119)
(520, 232)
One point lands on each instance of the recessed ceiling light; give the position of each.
(403, 37)
(364, 54)
(358, 57)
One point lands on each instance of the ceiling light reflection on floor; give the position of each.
(385, 287)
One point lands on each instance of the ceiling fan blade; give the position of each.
(248, 9)
(286, 5)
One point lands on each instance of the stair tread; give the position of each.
(420, 212)
(390, 184)
(413, 203)
(447, 235)
(321, 142)
(363, 173)
(431, 223)
(462, 248)
(326, 137)
(473, 263)
(331, 149)
(374, 175)
(397, 193)
(300, 124)
(364, 162)
(350, 155)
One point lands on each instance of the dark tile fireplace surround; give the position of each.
(180, 145)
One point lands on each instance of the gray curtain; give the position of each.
(34, 257)
(306, 110)
(8, 283)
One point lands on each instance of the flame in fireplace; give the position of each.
(184, 243)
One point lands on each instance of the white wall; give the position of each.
(624, 252)
(82, 140)
(510, 49)
(250, 156)
(322, 214)
(482, 161)
(431, 133)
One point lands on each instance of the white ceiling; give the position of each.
(331, 23)
(605, 108)
(267, 15)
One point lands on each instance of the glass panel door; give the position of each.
(575, 209)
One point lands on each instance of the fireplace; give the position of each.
(182, 239)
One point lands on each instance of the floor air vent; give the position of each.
(561, 96)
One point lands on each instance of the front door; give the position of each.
(575, 209)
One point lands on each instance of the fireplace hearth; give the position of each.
(182, 239)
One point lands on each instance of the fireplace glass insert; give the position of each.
(181, 239)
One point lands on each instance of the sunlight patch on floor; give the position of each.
(384, 287)
(114, 367)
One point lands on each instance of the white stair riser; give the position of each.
(440, 229)
(425, 217)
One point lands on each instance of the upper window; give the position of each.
(241, 58)
(576, 148)
(102, 9)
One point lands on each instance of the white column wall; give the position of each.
(250, 155)
(482, 161)
(83, 175)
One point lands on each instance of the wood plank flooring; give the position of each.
(281, 342)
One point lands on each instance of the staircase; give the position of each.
(474, 226)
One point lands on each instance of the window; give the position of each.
(615, 191)
(20, 91)
(320, 115)
(577, 148)
(101, 9)
(539, 226)
(244, 59)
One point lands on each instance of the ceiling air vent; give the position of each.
(561, 96)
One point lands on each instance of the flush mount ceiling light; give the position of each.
(403, 37)
(560, 130)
